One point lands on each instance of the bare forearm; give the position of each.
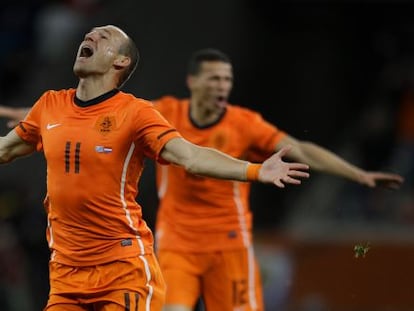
(13, 113)
(321, 159)
(213, 163)
(12, 147)
(203, 160)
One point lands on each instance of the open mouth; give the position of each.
(86, 52)
(221, 101)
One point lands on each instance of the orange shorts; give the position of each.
(227, 281)
(128, 284)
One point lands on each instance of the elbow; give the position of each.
(191, 167)
(193, 163)
(193, 158)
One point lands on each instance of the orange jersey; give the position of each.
(201, 214)
(94, 157)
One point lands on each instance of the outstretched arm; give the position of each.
(213, 163)
(15, 115)
(321, 159)
(12, 146)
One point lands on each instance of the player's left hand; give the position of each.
(278, 172)
(381, 179)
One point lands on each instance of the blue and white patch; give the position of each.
(103, 149)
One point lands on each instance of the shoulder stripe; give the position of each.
(165, 133)
(22, 127)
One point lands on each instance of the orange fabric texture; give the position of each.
(125, 283)
(95, 158)
(227, 281)
(200, 214)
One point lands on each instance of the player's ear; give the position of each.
(122, 61)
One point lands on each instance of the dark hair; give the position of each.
(205, 55)
(129, 49)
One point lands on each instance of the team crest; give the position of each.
(105, 124)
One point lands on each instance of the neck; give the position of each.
(91, 88)
(202, 114)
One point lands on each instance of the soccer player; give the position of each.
(204, 225)
(95, 139)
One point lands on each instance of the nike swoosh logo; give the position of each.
(49, 126)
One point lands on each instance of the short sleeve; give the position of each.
(29, 128)
(154, 132)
